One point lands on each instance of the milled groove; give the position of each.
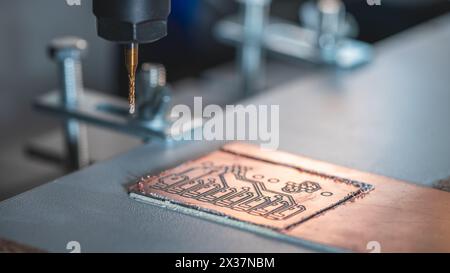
(363, 188)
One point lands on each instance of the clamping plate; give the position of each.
(111, 112)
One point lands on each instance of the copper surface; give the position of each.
(13, 247)
(308, 199)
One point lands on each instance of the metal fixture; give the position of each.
(67, 52)
(76, 104)
(252, 59)
(154, 96)
(325, 37)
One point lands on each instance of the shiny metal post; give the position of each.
(255, 14)
(67, 52)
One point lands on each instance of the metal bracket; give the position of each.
(109, 112)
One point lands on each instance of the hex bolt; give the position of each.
(331, 18)
(67, 53)
(154, 97)
(154, 74)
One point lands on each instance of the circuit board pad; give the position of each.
(250, 188)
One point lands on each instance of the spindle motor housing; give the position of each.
(141, 21)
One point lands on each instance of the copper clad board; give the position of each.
(7, 246)
(303, 198)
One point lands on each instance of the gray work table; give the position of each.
(390, 118)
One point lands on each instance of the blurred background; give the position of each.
(190, 49)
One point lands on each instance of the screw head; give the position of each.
(153, 74)
(67, 47)
(331, 6)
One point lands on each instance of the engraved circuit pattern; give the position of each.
(307, 186)
(210, 184)
(269, 192)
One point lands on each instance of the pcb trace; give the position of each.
(247, 188)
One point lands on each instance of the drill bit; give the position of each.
(131, 62)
